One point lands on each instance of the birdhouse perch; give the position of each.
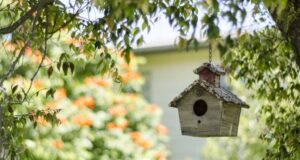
(205, 108)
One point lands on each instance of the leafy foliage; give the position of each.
(267, 61)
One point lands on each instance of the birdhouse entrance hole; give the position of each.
(200, 107)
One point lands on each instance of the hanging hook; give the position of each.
(209, 53)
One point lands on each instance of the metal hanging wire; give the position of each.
(209, 53)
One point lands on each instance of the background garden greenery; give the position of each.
(267, 61)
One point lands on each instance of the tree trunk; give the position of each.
(288, 22)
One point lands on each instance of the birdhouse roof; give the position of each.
(219, 92)
(214, 68)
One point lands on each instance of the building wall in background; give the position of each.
(169, 73)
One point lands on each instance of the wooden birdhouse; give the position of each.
(206, 108)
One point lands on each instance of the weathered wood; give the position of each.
(217, 111)
(231, 113)
(228, 129)
(230, 119)
(192, 124)
(190, 131)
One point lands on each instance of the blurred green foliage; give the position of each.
(268, 66)
(266, 61)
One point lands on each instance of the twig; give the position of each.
(11, 70)
(21, 53)
(3, 91)
(27, 15)
(44, 55)
(8, 5)
(73, 16)
(65, 24)
(13, 65)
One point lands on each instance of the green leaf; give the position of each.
(50, 92)
(127, 55)
(126, 40)
(10, 109)
(135, 31)
(144, 25)
(140, 41)
(62, 56)
(14, 88)
(50, 71)
(58, 66)
(65, 67)
(19, 97)
(98, 44)
(72, 67)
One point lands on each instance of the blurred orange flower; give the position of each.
(161, 129)
(58, 144)
(126, 66)
(143, 143)
(135, 135)
(139, 140)
(28, 51)
(82, 120)
(97, 81)
(160, 156)
(118, 100)
(73, 41)
(132, 96)
(132, 75)
(117, 110)
(9, 46)
(18, 81)
(83, 102)
(121, 126)
(47, 61)
(41, 121)
(37, 84)
(62, 120)
(51, 105)
(60, 94)
(151, 108)
(37, 57)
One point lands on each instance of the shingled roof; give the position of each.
(214, 68)
(219, 92)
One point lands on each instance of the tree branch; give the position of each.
(8, 74)
(72, 18)
(44, 55)
(65, 24)
(12, 68)
(3, 92)
(14, 63)
(41, 4)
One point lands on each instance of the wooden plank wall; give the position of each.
(209, 123)
(230, 120)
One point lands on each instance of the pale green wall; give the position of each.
(170, 73)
